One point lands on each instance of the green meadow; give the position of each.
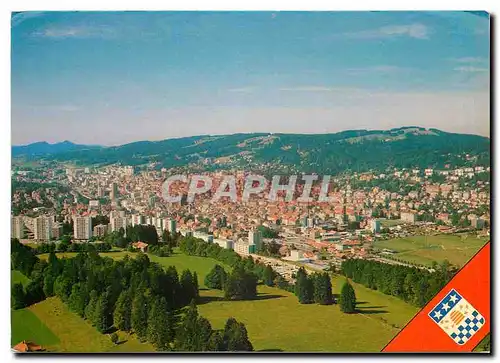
(27, 326)
(457, 249)
(51, 324)
(275, 320)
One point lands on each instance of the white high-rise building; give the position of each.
(170, 225)
(137, 219)
(114, 191)
(17, 227)
(375, 227)
(100, 192)
(158, 223)
(82, 228)
(118, 222)
(255, 238)
(43, 228)
(100, 230)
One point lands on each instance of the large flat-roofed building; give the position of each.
(255, 240)
(408, 217)
(204, 236)
(118, 222)
(225, 243)
(137, 219)
(82, 228)
(375, 226)
(43, 228)
(244, 248)
(57, 230)
(17, 227)
(100, 230)
(113, 194)
(170, 225)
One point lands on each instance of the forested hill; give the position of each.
(44, 148)
(357, 150)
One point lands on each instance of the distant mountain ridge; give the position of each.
(354, 150)
(44, 148)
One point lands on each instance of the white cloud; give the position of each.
(377, 69)
(241, 90)
(471, 69)
(416, 30)
(307, 89)
(80, 31)
(469, 60)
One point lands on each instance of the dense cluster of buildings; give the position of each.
(347, 224)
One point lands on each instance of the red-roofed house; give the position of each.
(25, 346)
(140, 246)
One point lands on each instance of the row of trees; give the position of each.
(196, 334)
(237, 285)
(243, 268)
(144, 233)
(133, 295)
(415, 286)
(160, 250)
(315, 288)
(72, 247)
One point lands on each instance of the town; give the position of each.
(362, 209)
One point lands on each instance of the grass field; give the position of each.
(58, 329)
(27, 326)
(386, 223)
(275, 320)
(16, 276)
(200, 265)
(426, 249)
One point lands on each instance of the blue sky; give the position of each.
(115, 77)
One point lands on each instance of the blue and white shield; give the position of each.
(457, 317)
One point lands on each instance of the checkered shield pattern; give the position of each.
(457, 317)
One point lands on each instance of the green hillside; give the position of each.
(358, 150)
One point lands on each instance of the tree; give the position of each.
(188, 286)
(102, 314)
(62, 287)
(34, 292)
(139, 315)
(216, 277)
(114, 338)
(77, 300)
(216, 342)
(159, 329)
(322, 289)
(347, 298)
(122, 314)
(195, 285)
(90, 308)
(235, 337)
(268, 232)
(48, 285)
(186, 334)
(165, 237)
(304, 287)
(269, 276)
(18, 296)
(240, 285)
(204, 332)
